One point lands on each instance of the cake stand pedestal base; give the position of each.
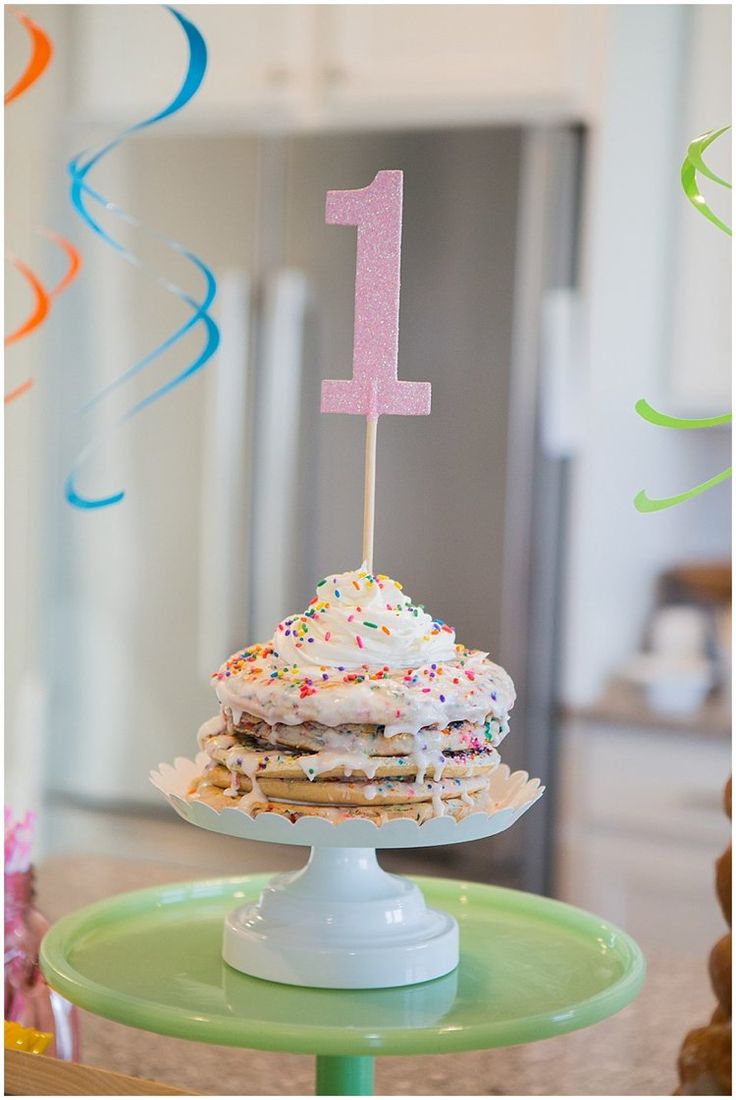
(530, 968)
(341, 923)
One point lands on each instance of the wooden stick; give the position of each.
(369, 493)
(39, 1075)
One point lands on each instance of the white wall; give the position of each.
(632, 204)
(700, 344)
(30, 126)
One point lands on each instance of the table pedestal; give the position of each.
(346, 1076)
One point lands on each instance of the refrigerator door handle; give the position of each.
(276, 486)
(560, 372)
(225, 488)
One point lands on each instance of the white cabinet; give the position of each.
(132, 60)
(458, 63)
(640, 825)
(309, 66)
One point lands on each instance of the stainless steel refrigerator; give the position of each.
(240, 495)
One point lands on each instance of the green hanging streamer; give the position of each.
(643, 503)
(662, 420)
(692, 165)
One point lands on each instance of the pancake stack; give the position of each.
(363, 706)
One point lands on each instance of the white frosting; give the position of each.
(211, 728)
(466, 689)
(387, 664)
(438, 806)
(358, 619)
(320, 762)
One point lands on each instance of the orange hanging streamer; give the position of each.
(75, 260)
(42, 51)
(40, 57)
(42, 303)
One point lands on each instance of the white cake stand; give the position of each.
(342, 922)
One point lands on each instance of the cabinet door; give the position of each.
(661, 894)
(453, 62)
(131, 60)
(640, 824)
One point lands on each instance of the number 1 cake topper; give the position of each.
(375, 387)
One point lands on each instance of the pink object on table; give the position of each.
(375, 387)
(28, 999)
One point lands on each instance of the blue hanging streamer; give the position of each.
(82, 194)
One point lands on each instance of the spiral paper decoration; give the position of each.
(84, 198)
(692, 165)
(41, 54)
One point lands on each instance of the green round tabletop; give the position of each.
(530, 968)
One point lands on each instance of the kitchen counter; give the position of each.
(624, 704)
(633, 1053)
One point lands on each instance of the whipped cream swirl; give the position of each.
(358, 618)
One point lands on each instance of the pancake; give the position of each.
(459, 736)
(386, 792)
(419, 811)
(245, 756)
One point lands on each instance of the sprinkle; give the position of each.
(385, 630)
(398, 714)
(374, 626)
(320, 583)
(359, 640)
(337, 593)
(442, 698)
(425, 690)
(328, 635)
(356, 585)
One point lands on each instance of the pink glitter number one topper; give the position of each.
(375, 387)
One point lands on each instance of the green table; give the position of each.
(530, 968)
